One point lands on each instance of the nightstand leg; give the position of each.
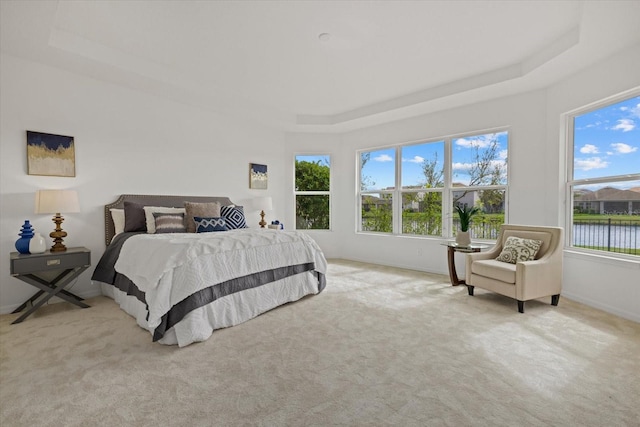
(27, 302)
(55, 288)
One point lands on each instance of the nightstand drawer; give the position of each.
(32, 263)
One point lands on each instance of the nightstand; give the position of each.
(71, 263)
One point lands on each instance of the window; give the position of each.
(422, 181)
(412, 189)
(377, 185)
(604, 177)
(479, 178)
(312, 192)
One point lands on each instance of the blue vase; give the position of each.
(26, 233)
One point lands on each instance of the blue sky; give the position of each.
(607, 142)
(380, 168)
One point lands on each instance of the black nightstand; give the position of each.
(71, 263)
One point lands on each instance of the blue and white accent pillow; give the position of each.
(234, 216)
(208, 225)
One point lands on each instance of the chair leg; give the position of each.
(555, 299)
(520, 306)
(470, 289)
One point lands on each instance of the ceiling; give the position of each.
(264, 60)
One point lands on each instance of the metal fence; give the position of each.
(612, 235)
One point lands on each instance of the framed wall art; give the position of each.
(50, 155)
(258, 176)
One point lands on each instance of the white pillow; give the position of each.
(117, 215)
(151, 221)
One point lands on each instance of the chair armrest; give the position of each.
(538, 278)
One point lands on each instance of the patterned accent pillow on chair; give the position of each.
(234, 216)
(208, 225)
(517, 250)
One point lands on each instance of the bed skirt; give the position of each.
(199, 324)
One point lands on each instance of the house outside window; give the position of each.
(313, 192)
(604, 176)
(412, 189)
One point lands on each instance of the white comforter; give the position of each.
(156, 262)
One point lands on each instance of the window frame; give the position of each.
(297, 193)
(447, 190)
(568, 121)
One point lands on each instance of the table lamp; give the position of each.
(54, 202)
(263, 204)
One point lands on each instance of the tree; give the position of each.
(431, 204)
(486, 171)
(365, 181)
(432, 174)
(312, 210)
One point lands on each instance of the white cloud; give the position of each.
(461, 166)
(476, 142)
(590, 163)
(589, 149)
(636, 111)
(383, 158)
(593, 125)
(625, 125)
(503, 154)
(482, 141)
(464, 167)
(622, 148)
(416, 159)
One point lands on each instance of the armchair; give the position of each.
(524, 280)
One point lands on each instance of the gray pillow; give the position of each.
(134, 217)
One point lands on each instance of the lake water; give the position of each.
(604, 235)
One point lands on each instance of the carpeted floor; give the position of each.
(379, 347)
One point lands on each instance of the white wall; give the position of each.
(536, 180)
(126, 142)
(129, 142)
(599, 281)
(527, 153)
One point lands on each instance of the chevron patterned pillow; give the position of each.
(208, 225)
(234, 216)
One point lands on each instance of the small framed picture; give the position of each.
(258, 176)
(50, 155)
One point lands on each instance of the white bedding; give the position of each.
(170, 268)
(231, 310)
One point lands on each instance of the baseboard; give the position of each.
(387, 264)
(635, 317)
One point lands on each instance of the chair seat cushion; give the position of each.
(493, 269)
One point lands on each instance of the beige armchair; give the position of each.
(522, 281)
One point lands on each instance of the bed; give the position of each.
(181, 286)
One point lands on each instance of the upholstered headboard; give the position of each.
(152, 200)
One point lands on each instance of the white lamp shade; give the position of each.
(263, 203)
(56, 201)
